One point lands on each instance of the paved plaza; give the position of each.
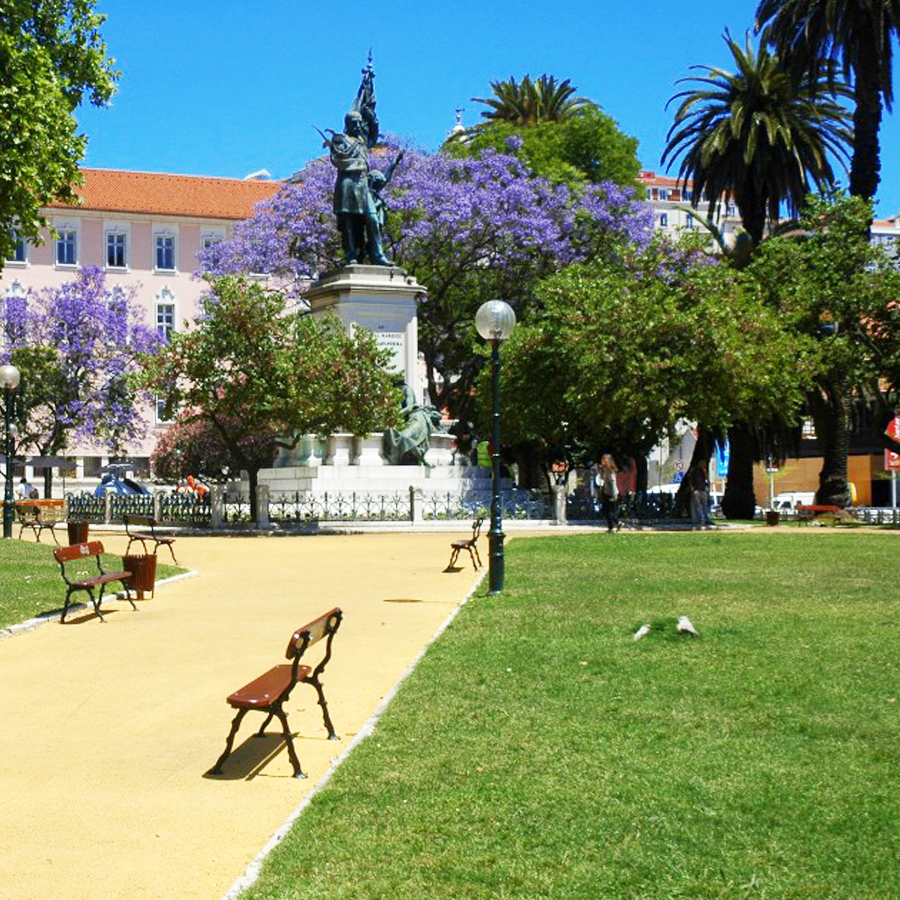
(108, 729)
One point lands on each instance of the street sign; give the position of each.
(893, 429)
(891, 461)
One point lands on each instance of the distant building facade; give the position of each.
(673, 202)
(144, 230)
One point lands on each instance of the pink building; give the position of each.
(144, 230)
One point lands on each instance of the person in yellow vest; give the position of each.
(483, 454)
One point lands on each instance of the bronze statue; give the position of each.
(408, 445)
(358, 204)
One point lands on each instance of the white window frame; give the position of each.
(689, 221)
(165, 300)
(117, 230)
(20, 241)
(210, 236)
(67, 228)
(158, 417)
(663, 193)
(163, 232)
(663, 220)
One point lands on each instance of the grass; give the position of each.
(30, 582)
(540, 752)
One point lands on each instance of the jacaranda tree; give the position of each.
(469, 229)
(77, 347)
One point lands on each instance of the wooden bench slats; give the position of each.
(78, 552)
(133, 522)
(40, 516)
(470, 544)
(268, 692)
(265, 690)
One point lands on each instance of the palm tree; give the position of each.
(760, 136)
(530, 102)
(757, 135)
(859, 34)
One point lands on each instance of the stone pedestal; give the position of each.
(382, 299)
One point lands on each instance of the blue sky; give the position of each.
(228, 87)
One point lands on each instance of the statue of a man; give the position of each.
(359, 209)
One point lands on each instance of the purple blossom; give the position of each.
(467, 228)
(94, 337)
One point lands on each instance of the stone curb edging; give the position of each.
(251, 873)
(44, 618)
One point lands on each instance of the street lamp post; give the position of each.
(495, 321)
(9, 381)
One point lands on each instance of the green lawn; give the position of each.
(31, 584)
(539, 752)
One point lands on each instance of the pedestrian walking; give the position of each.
(609, 491)
(698, 484)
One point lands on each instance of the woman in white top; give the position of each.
(609, 491)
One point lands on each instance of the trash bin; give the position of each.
(78, 532)
(772, 516)
(143, 573)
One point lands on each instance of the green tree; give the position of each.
(760, 136)
(250, 368)
(757, 135)
(860, 35)
(530, 102)
(620, 350)
(829, 284)
(51, 58)
(584, 148)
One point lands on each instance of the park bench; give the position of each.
(134, 523)
(269, 692)
(67, 557)
(807, 512)
(40, 516)
(470, 544)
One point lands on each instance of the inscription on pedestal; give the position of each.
(393, 341)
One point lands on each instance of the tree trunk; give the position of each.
(831, 413)
(739, 499)
(865, 166)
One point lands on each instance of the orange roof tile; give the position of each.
(121, 191)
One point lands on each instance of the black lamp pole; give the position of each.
(495, 536)
(495, 321)
(9, 379)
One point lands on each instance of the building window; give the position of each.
(116, 246)
(688, 221)
(67, 248)
(165, 252)
(649, 194)
(18, 254)
(161, 417)
(730, 210)
(663, 194)
(688, 194)
(165, 320)
(210, 240)
(664, 220)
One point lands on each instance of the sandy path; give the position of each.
(107, 730)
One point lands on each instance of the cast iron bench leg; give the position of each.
(217, 768)
(289, 740)
(332, 736)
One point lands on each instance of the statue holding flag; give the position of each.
(359, 209)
